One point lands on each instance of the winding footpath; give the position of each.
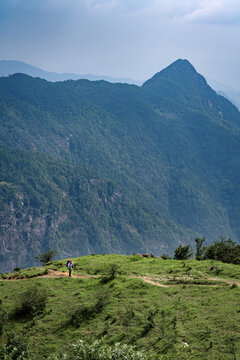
(156, 281)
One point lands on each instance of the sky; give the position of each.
(123, 38)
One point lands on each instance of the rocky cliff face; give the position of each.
(23, 232)
(60, 207)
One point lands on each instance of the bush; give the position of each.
(110, 273)
(89, 311)
(183, 252)
(46, 257)
(225, 250)
(135, 257)
(100, 351)
(33, 301)
(166, 257)
(16, 348)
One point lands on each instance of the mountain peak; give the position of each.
(182, 65)
(180, 70)
(180, 84)
(181, 80)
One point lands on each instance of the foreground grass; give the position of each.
(194, 317)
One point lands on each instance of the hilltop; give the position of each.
(170, 309)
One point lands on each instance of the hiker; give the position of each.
(69, 265)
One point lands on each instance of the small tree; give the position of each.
(183, 252)
(33, 301)
(199, 247)
(225, 250)
(46, 257)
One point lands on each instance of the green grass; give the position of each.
(25, 273)
(203, 313)
(130, 265)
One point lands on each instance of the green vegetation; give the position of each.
(93, 167)
(25, 273)
(32, 301)
(225, 250)
(99, 351)
(167, 309)
(200, 249)
(46, 256)
(183, 252)
(16, 348)
(64, 206)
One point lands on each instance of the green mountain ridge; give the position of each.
(172, 147)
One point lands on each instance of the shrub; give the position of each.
(109, 273)
(166, 257)
(225, 250)
(33, 301)
(16, 348)
(135, 257)
(100, 351)
(183, 252)
(89, 311)
(84, 313)
(46, 257)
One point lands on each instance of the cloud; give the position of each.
(216, 11)
(201, 11)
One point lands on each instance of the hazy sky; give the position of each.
(123, 38)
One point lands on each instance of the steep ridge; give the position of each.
(181, 87)
(171, 145)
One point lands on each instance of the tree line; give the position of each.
(224, 250)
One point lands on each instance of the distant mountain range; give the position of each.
(9, 67)
(231, 94)
(98, 167)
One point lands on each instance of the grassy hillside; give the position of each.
(170, 309)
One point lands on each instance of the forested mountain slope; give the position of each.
(48, 203)
(172, 147)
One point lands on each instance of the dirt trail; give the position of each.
(156, 281)
(54, 274)
(60, 274)
(230, 282)
(151, 280)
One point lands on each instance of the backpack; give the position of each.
(69, 261)
(70, 265)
